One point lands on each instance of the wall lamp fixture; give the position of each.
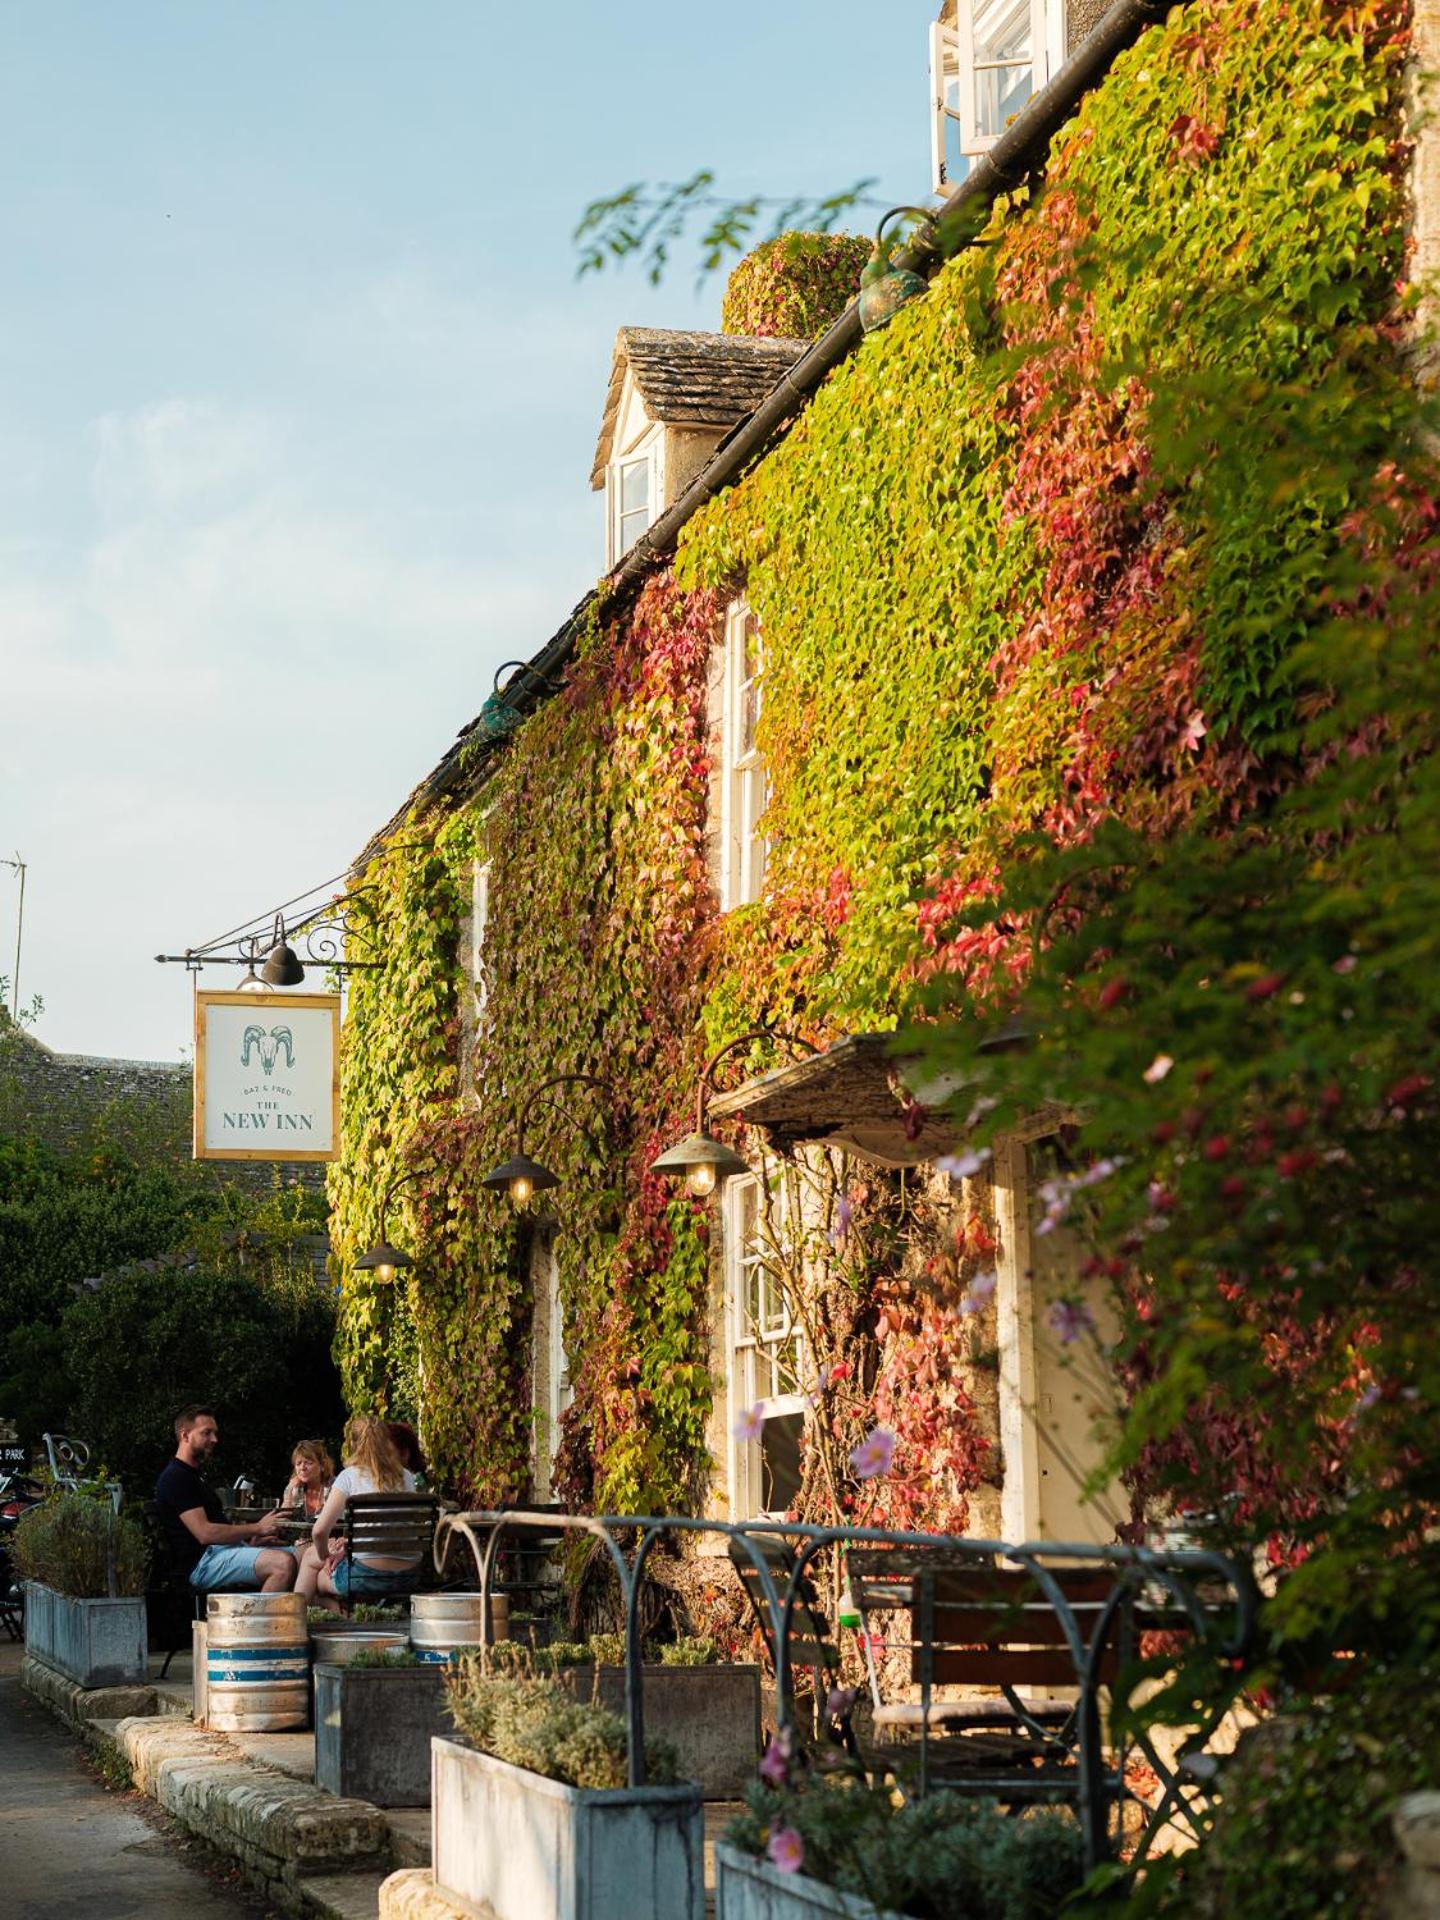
(520, 1176)
(884, 287)
(383, 1259)
(704, 1160)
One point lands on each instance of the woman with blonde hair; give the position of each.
(311, 1473)
(372, 1465)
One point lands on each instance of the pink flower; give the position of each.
(1157, 1069)
(1347, 963)
(1193, 731)
(838, 1702)
(962, 1166)
(750, 1424)
(775, 1763)
(1069, 1319)
(872, 1457)
(980, 1292)
(786, 1850)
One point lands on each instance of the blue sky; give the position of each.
(299, 403)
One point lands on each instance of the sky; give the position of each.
(299, 401)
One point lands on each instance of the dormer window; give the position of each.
(987, 57)
(672, 398)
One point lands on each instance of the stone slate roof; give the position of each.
(692, 379)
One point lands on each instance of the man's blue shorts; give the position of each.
(354, 1577)
(221, 1567)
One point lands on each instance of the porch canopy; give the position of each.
(860, 1095)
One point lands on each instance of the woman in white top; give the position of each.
(372, 1465)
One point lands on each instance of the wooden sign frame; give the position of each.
(258, 1002)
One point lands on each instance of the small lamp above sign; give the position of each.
(282, 968)
(704, 1160)
(521, 1177)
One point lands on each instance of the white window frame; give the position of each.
(479, 925)
(952, 64)
(648, 452)
(752, 1353)
(744, 788)
(559, 1393)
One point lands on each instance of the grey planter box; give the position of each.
(95, 1643)
(373, 1731)
(516, 1846)
(751, 1889)
(710, 1715)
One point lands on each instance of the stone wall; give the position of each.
(78, 1103)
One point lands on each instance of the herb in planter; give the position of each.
(531, 1722)
(389, 1658)
(689, 1651)
(945, 1858)
(70, 1543)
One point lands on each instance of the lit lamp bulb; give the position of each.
(385, 1273)
(701, 1180)
(521, 1189)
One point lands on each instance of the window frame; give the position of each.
(745, 1355)
(559, 1389)
(952, 52)
(745, 788)
(479, 927)
(646, 451)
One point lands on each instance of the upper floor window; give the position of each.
(479, 922)
(634, 494)
(985, 62)
(744, 791)
(550, 1363)
(767, 1405)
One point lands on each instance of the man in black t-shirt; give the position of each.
(215, 1553)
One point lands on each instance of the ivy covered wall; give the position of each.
(988, 611)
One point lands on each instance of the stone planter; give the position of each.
(516, 1846)
(710, 1715)
(373, 1730)
(95, 1643)
(751, 1889)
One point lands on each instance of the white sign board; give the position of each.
(267, 1076)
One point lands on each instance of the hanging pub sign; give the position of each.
(267, 1076)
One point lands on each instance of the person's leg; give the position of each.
(276, 1568)
(326, 1591)
(308, 1573)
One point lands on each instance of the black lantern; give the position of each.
(383, 1259)
(704, 1160)
(520, 1176)
(281, 968)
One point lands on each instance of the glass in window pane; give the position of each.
(1001, 31)
(635, 487)
(1000, 93)
(780, 1462)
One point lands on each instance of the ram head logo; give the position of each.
(267, 1045)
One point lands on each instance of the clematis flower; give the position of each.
(785, 1850)
(1157, 1069)
(838, 1702)
(1069, 1319)
(872, 1457)
(978, 1295)
(775, 1763)
(1347, 963)
(750, 1424)
(962, 1166)
(1193, 732)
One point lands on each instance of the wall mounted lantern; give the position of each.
(281, 968)
(885, 288)
(520, 1176)
(704, 1160)
(383, 1259)
(251, 981)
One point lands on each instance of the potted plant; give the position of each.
(532, 1816)
(375, 1716)
(708, 1710)
(84, 1571)
(845, 1849)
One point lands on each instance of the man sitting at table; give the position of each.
(217, 1555)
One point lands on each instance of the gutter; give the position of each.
(1016, 156)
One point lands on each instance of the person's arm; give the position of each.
(331, 1511)
(217, 1533)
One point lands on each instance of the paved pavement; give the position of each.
(70, 1850)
